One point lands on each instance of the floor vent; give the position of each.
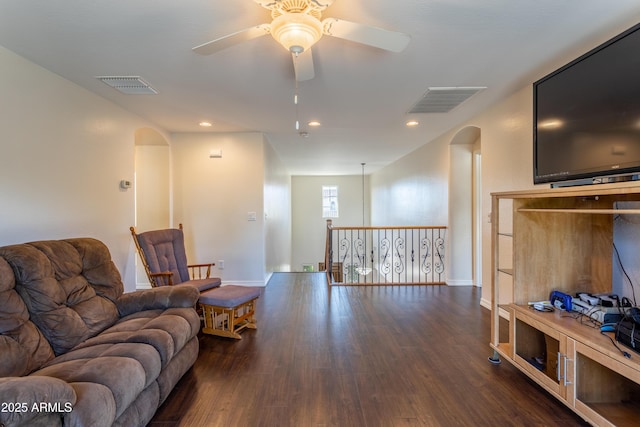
(130, 85)
(443, 99)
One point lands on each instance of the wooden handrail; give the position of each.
(398, 227)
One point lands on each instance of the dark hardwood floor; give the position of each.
(359, 356)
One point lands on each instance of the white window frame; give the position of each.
(330, 201)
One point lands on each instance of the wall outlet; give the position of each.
(220, 264)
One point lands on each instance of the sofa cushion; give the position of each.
(166, 330)
(162, 297)
(142, 410)
(22, 345)
(98, 268)
(95, 406)
(143, 353)
(123, 376)
(69, 288)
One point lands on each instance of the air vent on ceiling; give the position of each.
(130, 85)
(443, 99)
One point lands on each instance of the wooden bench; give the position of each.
(229, 309)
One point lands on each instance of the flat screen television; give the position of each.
(586, 123)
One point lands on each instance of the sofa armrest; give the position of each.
(157, 298)
(25, 398)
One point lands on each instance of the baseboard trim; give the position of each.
(244, 283)
(485, 303)
(460, 282)
(267, 278)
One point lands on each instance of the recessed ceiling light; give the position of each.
(314, 123)
(205, 124)
(412, 123)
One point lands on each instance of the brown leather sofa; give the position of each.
(78, 351)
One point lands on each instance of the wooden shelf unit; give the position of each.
(562, 239)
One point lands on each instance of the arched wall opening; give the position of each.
(152, 187)
(464, 207)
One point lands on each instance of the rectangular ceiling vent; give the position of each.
(130, 85)
(443, 99)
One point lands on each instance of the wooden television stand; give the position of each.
(562, 239)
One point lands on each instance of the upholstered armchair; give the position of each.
(164, 259)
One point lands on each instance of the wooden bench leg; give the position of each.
(229, 321)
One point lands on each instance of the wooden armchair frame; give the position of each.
(165, 278)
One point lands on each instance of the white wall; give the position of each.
(64, 151)
(308, 225)
(277, 213)
(212, 198)
(414, 189)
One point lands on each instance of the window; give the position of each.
(329, 201)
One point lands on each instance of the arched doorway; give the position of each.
(465, 208)
(152, 186)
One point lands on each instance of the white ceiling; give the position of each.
(360, 94)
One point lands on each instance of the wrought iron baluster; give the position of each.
(440, 253)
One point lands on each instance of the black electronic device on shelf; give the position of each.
(628, 330)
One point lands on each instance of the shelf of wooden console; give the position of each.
(602, 384)
(585, 211)
(562, 239)
(585, 331)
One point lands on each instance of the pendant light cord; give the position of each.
(363, 193)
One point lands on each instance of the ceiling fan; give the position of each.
(297, 26)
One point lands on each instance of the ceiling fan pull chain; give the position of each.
(295, 95)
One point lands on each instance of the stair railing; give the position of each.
(396, 255)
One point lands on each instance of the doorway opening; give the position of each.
(152, 187)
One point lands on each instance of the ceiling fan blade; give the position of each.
(232, 39)
(303, 66)
(365, 34)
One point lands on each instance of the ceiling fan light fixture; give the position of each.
(297, 32)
